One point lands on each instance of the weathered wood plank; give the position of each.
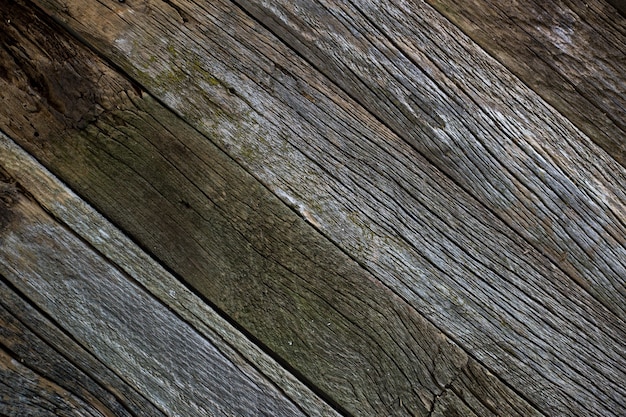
(478, 124)
(570, 52)
(35, 342)
(24, 393)
(470, 387)
(326, 317)
(137, 336)
(69, 209)
(370, 193)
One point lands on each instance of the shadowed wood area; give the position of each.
(316, 208)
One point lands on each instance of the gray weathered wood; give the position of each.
(35, 342)
(570, 52)
(361, 186)
(137, 336)
(469, 384)
(327, 318)
(430, 363)
(490, 133)
(24, 393)
(118, 249)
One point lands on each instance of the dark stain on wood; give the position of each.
(53, 78)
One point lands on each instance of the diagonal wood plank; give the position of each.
(137, 336)
(36, 343)
(570, 52)
(471, 385)
(24, 393)
(68, 209)
(423, 253)
(329, 320)
(476, 122)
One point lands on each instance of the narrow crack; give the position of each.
(444, 391)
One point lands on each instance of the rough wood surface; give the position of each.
(544, 325)
(478, 124)
(327, 318)
(24, 393)
(134, 334)
(51, 355)
(570, 52)
(118, 249)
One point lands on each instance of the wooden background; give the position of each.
(312, 207)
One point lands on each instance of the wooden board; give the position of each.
(171, 365)
(330, 321)
(570, 52)
(509, 150)
(415, 243)
(42, 363)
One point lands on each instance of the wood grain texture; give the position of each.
(328, 319)
(138, 337)
(361, 186)
(35, 342)
(478, 124)
(570, 52)
(24, 393)
(69, 209)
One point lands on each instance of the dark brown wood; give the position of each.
(619, 5)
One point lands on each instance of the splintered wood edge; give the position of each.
(116, 247)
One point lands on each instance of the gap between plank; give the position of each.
(254, 347)
(398, 134)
